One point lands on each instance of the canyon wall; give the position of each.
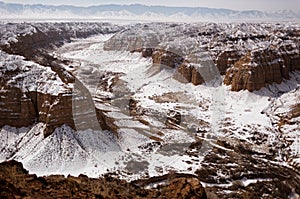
(42, 90)
(261, 67)
(251, 71)
(250, 56)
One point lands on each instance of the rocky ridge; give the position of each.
(42, 91)
(250, 56)
(261, 67)
(237, 170)
(17, 182)
(250, 159)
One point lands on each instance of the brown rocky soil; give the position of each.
(17, 183)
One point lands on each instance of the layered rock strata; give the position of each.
(32, 93)
(44, 92)
(261, 67)
(250, 56)
(252, 71)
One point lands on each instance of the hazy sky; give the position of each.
(230, 4)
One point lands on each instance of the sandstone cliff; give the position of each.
(33, 93)
(43, 91)
(251, 71)
(261, 67)
(226, 59)
(272, 49)
(185, 71)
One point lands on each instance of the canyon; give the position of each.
(208, 104)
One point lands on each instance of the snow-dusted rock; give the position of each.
(41, 91)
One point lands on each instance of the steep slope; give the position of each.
(250, 55)
(41, 92)
(264, 66)
(229, 137)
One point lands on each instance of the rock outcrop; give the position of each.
(43, 92)
(173, 119)
(17, 183)
(251, 71)
(261, 67)
(226, 59)
(147, 52)
(51, 103)
(228, 45)
(166, 58)
(29, 40)
(185, 72)
(268, 179)
(21, 108)
(16, 108)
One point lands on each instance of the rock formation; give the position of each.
(251, 71)
(263, 66)
(147, 52)
(185, 72)
(274, 181)
(49, 102)
(173, 119)
(226, 59)
(166, 58)
(17, 108)
(42, 92)
(272, 49)
(17, 183)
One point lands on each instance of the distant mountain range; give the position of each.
(140, 12)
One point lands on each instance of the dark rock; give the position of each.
(16, 182)
(166, 58)
(173, 119)
(147, 52)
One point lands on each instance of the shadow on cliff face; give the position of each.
(34, 45)
(276, 90)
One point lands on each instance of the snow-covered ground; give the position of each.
(228, 114)
(32, 75)
(136, 152)
(140, 84)
(207, 113)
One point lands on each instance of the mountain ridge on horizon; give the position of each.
(122, 5)
(132, 11)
